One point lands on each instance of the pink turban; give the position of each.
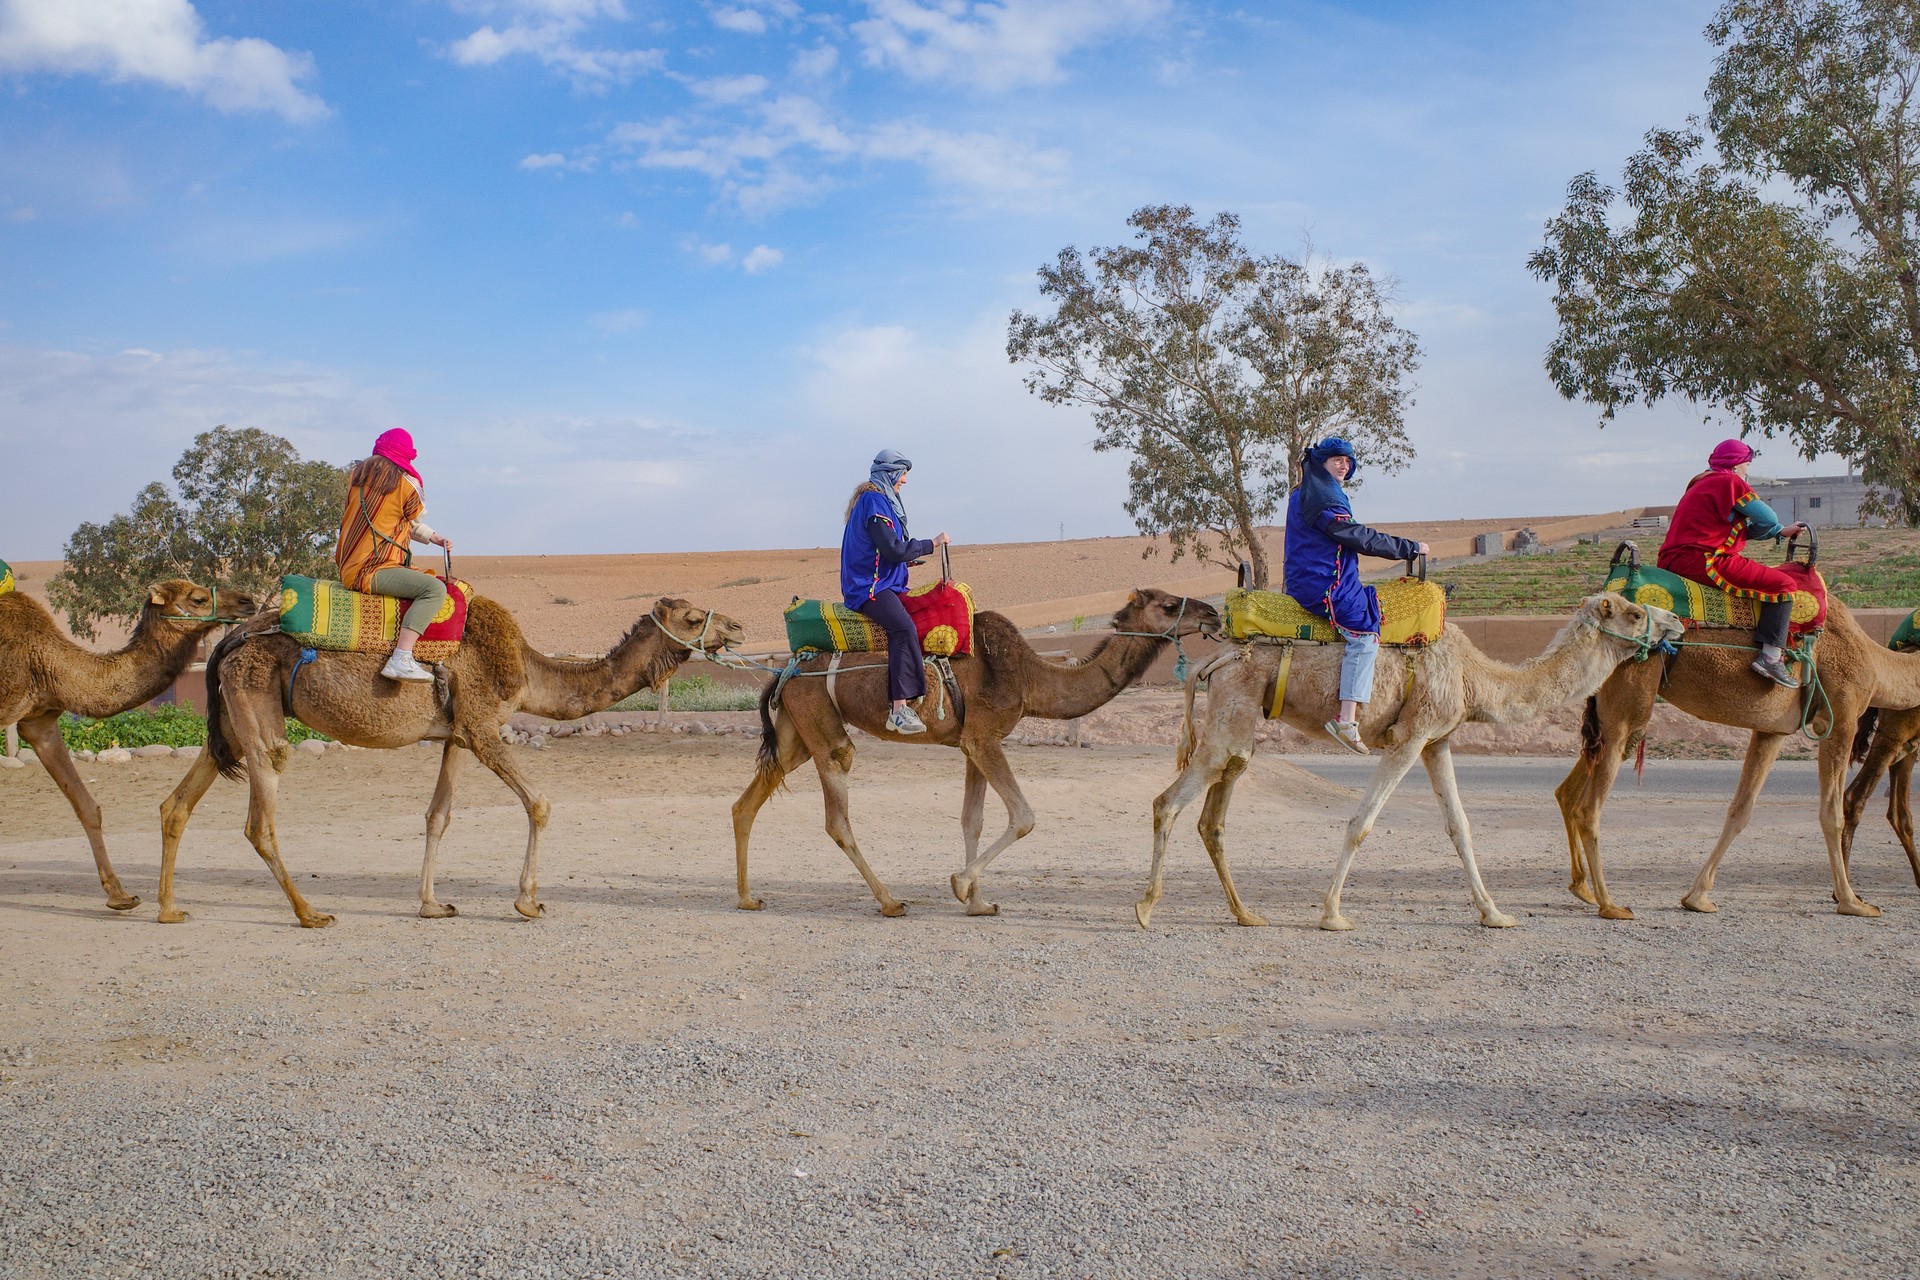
(1729, 454)
(396, 446)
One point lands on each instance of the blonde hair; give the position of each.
(867, 487)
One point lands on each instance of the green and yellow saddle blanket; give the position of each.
(942, 613)
(1906, 636)
(6, 577)
(325, 615)
(1701, 605)
(1412, 613)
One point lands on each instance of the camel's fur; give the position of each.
(1453, 683)
(42, 674)
(1003, 681)
(1715, 684)
(494, 674)
(1886, 746)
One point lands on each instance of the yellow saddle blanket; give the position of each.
(1412, 613)
(6, 577)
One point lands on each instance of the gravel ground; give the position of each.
(651, 1083)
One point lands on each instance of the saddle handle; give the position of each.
(1422, 572)
(449, 552)
(946, 564)
(1630, 550)
(1813, 546)
(1245, 578)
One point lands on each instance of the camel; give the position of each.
(492, 675)
(1884, 745)
(1003, 681)
(1446, 684)
(42, 674)
(1709, 679)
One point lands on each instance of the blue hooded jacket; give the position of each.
(875, 549)
(1324, 545)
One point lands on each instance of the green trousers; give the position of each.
(427, 592)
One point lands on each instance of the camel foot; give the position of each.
(962, 889)
(1859, 907)
(750, 904)
(1583, 891)
(531, 910)
(1700, 902)
(174, 915)
(121, 901)
(316, 921)
(1250, 920)
(1143, 912)
(977, 908)
(438, 910)
(1614, 911)
(1497, 919)
(890, 909)
(1334, 922)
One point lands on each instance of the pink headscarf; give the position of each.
(396, 446)
(1729, 454)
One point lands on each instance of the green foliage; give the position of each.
(1215, 369)
(245, 509)
(694, 693)
(173, 726)
(1771, 274)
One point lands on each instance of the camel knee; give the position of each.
(538, 812)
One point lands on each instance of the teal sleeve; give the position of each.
(1761, 522)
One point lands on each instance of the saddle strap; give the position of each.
(1280, 684)
(306, 656)
(833, 679)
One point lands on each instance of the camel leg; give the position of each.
(1568, 795)
(439, 817)
(492, 752)
(1439, 761)
(43, 734)
(1585, 822)
(1393, 766)
(973, 819)
(1762, 750)
(1859, 791)
(993, 765)
(1213, 826)
(789, 751)
(1833, 777)
(1204, 768)
(263, 786)
(833, 788)
(1900, 810)
(175, 812)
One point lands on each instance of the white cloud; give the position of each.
(988, 45)
(712, 254)
(158, 41)
(550, 160)
(751, 17)
(730, 88)
(761, 258)
(983, 162)
(812, 64)
(551, 31)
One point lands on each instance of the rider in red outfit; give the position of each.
(1709, 531)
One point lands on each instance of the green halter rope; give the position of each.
(213, 616)
(1180, 664)
(695, 647)
(1643, 644)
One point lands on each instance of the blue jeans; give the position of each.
(1356, 668)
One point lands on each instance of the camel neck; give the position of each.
(105, 684)
(1060, 692)
(561, 689)
(1576, 663)
(1896, 678)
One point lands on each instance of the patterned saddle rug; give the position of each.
(1906, 636)
(6, 577)
(325, 615)
(1412, 613)
(1703, 605)
(942, 613)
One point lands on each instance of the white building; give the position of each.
(1821, 501)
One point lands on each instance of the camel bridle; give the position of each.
(697, 644)
(213, 613)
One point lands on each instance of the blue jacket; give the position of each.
(1322, 566)
(875, 550)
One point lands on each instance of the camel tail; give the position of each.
(769, 736)
(1186, 724)
(1863, 736)
(218, 747)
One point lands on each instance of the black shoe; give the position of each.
(1775, 670)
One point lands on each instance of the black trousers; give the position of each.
(1774, 617)
(906, 678)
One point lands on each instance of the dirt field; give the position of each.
(652, 1083)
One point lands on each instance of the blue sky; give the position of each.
(662, 276)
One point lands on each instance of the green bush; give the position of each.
(694, 693)
(173, 726)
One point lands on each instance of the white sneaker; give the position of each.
(401, 666)
(904, 721)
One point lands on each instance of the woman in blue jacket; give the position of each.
(1322, 572)
(875, 551)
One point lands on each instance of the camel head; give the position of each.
(694, 627)
(192, 608)
(1158, 612)
(1644, 625)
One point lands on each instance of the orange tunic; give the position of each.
(364, 549)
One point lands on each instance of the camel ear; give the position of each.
(156, 595)
(1605, 608)
(1135, 598)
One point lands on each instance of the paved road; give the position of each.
(1494, 774)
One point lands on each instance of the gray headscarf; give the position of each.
(888, 467)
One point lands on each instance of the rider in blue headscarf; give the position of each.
(1322, 572)
(875, 550)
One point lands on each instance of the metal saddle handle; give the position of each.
(1813, 547)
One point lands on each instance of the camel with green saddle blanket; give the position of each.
(1448, 683)
(260, 674)
(1886, 745)
(43, 674)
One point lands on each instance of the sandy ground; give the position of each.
(650, 1082)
